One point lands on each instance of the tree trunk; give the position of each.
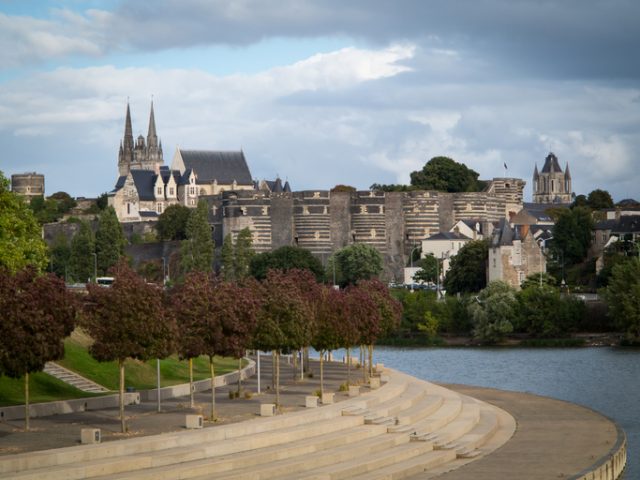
(123, 426)
(239, 376)
(371, 360)
(191, 393)
(363, 364)
(273, 369)
(212, 417)
(26, 401)
(348, 366)
(295, 365)
(277, 370)
(321, 374)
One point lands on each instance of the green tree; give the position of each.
(59, 254)
(81, 260)
(623, 297)
(102, 201)
(227, 258)
(343, 188)
(286, 258)
(21, 241)
(543, 312)
(109, 240)
(243, 252)
(446, 175)
(197, 249)
(429, 268)
(599, 199)
(128, 320)
(37, 314)
(356, 262)
(535, 279)
(493, 312)
(572, 236)
(468, 269)
(172, 223)
(580, 201)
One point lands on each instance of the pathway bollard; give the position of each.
(311, 401)
(193, 421)
(354, 390)
(267, 409)
(374, 382)
(327, 398)
(90, 436)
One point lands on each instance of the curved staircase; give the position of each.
(404, 428)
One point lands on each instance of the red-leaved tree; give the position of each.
(127, 320)
(330, 315)
(37, 314)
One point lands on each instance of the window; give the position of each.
(521, 277)
(128, 209)
(159, 207)
(192, 191)
(193, 202)
(171, 191)
(494, 262)
(159, 190)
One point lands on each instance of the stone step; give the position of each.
(413, 394)
(464, 423)
(161, 450)
(447, 412)
(369, 464)
(409, 468)
(423, 409)
(179, 465)
(484, 430)
(302, 466)
(73, 379)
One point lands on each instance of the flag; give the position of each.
(505, 165)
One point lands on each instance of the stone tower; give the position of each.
(552, 185)
(140, 155)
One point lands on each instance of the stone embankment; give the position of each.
(406, 428)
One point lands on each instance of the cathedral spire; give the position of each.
(536, 175)
(128, 131)
(567, 175)
(152, 137)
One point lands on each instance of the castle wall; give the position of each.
(340, 218)
(312, 222)
(394, 260)
(28, 184)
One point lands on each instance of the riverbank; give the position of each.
(575, 340)
(553, 438)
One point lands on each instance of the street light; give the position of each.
(543, 245)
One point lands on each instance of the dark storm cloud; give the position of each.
(572, 38)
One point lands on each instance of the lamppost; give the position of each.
(543, 245)
(164, 272)
(95, 266)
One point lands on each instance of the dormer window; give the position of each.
(171, 191)
(159, 190)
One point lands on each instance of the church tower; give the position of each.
(552, 185)
(140, 155)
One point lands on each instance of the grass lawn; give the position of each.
(42, 388)
(139, 375)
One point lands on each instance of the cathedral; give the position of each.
(552, 185)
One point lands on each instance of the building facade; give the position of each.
(30, 184)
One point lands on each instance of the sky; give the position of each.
(325, 92)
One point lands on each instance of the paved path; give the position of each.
(554, 439)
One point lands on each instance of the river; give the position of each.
(604, 379)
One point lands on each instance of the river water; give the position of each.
(604, 379)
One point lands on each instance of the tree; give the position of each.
(81, 260)
(599, 199)
(468, 269)
(197, 249)
(343, 188)
(227, 258)
(286, 320)
(361, 322)
(572, 235)
(329, 317)
(127, 320)
(109, 240)
(357, 262)
(172, 223)
(429, 269)
(37, 314)
(243, 252)
(286, 258)
(623, 297)
(21, 241)
(493, 311)
(388, 312)
(59, 254)
(580, 201)
(102, 201)
(446, 175)
(535, 279)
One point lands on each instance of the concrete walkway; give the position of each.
(554, 439)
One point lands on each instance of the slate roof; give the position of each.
(225, 167)
(551, 164)
(539, 210)
(627, 224)
(448, 236)
(144, 181)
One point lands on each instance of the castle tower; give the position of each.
(552, 185)
(140, 155)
